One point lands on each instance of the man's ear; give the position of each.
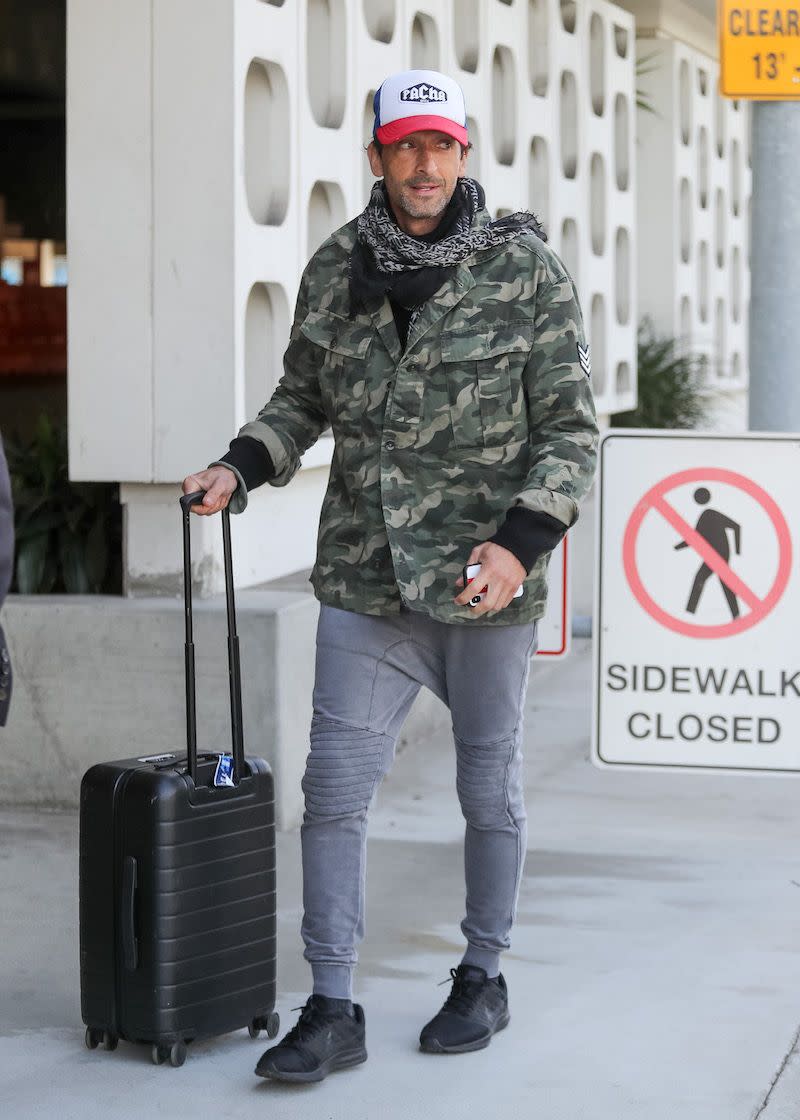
(375, 161)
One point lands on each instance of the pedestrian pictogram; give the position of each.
(713, 527)
(710, 539)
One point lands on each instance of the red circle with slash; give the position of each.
(655, 501)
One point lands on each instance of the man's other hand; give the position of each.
(500, 571)
(219, 484)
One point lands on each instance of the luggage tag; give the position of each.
(223, 775)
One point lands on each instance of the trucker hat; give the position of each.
(419, 99)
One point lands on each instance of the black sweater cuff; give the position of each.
(528, 534)
(251, 459)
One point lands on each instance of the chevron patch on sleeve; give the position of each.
(585, 359)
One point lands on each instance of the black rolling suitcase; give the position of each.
(177, 882)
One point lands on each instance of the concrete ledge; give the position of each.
(97, 678)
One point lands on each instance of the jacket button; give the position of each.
(390, 445)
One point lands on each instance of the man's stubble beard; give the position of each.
(418, 208)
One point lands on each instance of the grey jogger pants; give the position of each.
(368, 670)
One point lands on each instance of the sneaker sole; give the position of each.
(433, 1046)
(340, 1061)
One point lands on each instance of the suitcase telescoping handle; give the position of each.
(234, 668)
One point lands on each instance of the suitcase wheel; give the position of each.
(110, 1041)
(270, 1023)
(92, 1038)
(177, 1054)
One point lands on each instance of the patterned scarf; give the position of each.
(386, 261)
(395, 251)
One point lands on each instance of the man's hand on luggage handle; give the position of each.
(219, 484)
(500, 571)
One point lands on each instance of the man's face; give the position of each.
(420, 173)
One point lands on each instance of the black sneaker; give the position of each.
(474, 1010)
(325, 1038)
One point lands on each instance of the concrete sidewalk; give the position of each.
(655, 969)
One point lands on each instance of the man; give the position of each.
(448, 355)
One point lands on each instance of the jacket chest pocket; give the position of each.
(342, 348)
(484, 383)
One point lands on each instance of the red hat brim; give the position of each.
(395, 130)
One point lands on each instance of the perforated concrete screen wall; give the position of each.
(232, 136)
(694, 192)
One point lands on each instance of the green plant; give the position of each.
(670, 393)
(642, 69)
(68, 534)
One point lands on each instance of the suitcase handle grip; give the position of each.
(234, 668)
(130, 949)
(194, 499)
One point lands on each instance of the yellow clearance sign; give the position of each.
(759, 50)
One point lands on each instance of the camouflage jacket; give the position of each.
(488, 406)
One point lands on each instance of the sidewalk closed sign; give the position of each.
(697, 602)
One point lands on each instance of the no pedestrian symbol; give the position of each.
(710, 539)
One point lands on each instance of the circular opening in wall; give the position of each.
(266, 327)
(719, 227)
(748, 142)
(621, 142)
(623, 378)
(367, 178)
(598, 344)
(267, 155)
(466, 35)
(538, 41)
(736, 284)
(539, 201)
(702, 167)
(326, 59)
(622, 250)
(720, 106)
(702, 81)
(380, 17)
(424, 43)
(686, 323)
(504, 106)
(569, 10)
(749, 233)
(326, 212)
(685, 206)
(621, 40)
(597, 179)
(474, 158)
(685, 97)
(736, 178)
(597, 60)
(719, 337)
(569, 247)
(702, 281)
(569, 125)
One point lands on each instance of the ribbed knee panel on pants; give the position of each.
(343, 768)
(489, 782)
